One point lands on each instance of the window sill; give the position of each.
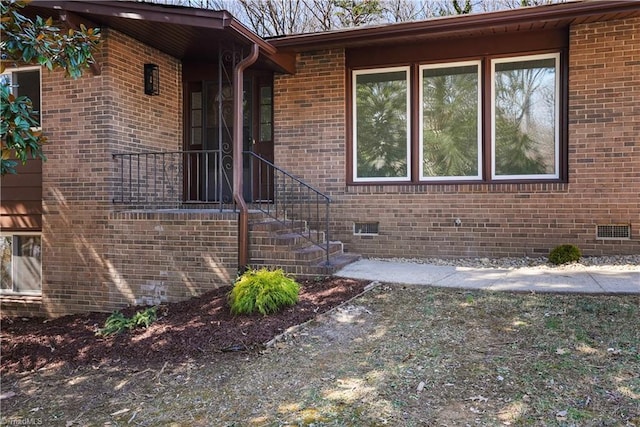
(458, 187)
(21, 298)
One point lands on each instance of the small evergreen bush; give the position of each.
(265, 291)
(564, 254)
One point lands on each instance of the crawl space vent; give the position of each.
(613, 232)
(365, 228)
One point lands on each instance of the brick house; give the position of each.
(497, 134)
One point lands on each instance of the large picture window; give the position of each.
(381, 117)
(450, 133)
(20, 263)
(494, 119)
(525, 117)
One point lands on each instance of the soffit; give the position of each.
(539, 18)
(189, 34)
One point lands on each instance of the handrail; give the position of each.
(171, 178)
(175, 179)
(290, 200)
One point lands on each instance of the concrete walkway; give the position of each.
(573, 279)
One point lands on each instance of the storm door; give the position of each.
(208, 166)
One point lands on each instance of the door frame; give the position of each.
(199, 76)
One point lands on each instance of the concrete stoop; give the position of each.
(273, 244)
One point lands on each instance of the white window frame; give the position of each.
(13, 265)
(477, 177)
(10, 71)
(355, 74)
(557, 104)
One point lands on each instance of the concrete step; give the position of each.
(307, 254)
(336, 262)
(272, 226)
(274, 244)
(289, 240)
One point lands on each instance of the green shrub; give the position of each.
(117, 322)
(264, 291)
(564, 253)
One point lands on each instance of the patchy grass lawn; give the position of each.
(398, 356)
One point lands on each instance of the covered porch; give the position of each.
(224, 163)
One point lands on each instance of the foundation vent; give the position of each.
(613, 232)
(365, 228)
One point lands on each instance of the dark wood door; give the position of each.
(208, 162)
(262, 136)
(194, 142)
(209, 127)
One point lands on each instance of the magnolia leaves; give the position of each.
(34, 41)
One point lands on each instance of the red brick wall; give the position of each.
(87, 120)
(169, 256)
(95, 258)
(497, 219)
(309, 120)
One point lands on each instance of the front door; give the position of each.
(208, 164)
(262, 135)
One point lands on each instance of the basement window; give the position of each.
(365, 228)
(613, 232)
(21, 264)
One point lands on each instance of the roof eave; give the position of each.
(451, 25)
(179, 16)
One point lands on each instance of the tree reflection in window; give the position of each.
(450, 121)
(525, 107)
(381, 117)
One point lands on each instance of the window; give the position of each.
(266, 114)
(450, 133)
(381, 116)
(24, 82)
(21, 263)
(525, 117)
(485, 120)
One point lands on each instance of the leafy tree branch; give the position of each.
(26, 41)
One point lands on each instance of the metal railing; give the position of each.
(170, 179)
(290, 201)
(178, 179)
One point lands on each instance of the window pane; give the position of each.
(27, 264)
(265, 95)
(265, 132)
(196, 117)
(381, 128)
(525, 111)
(21, 263)
(28, 84)
(6, 251)
(5, 80)
(196, 136)
(450, 122)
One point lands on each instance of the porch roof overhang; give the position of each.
(188, 34)
(535, 18)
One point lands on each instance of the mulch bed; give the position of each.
(184, 331)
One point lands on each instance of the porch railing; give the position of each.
(171, 179)
(202, 178)
(290, 201)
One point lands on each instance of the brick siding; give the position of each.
(98, 258)
(497, 219)
(95, 258)
(170, 256)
